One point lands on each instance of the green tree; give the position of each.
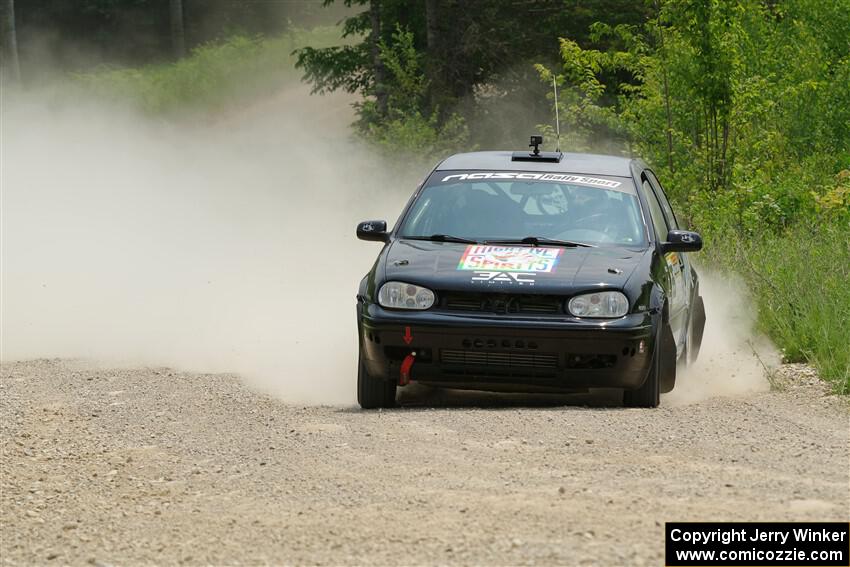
(399, 125)
(468, 50)
(705, 91)
(744, 109)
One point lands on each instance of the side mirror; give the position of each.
(682, 241)
(375, 230)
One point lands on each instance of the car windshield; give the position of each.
(496, 206)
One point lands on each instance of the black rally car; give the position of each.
(530, 272)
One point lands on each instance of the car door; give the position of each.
(674, 264)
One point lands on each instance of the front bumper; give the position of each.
(508, 353)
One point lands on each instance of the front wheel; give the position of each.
(697, 328)
(373, 393)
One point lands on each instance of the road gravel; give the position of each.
(131, 466)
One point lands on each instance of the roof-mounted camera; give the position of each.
(535, 154)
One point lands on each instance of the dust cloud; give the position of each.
(225, 247)
(734, 359)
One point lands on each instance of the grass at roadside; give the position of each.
(801, 283)
(212, 76)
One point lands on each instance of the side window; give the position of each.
(662, 198)
(658, 221)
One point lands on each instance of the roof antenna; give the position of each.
(557, 119)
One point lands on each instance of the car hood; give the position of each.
(460, 267)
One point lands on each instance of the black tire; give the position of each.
(686, 359)
(669, 364)
(696, 330)
(648, 395)
(373, 393)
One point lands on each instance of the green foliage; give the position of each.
(799, 279)
(744, 109)
(81, 34)
(583, 116)
(473, 58)
(404, 128)
(834, 203)
(212, 76)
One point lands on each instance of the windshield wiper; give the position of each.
(443, 238)
(538, 240)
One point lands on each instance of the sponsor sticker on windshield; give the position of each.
(543, 177)
(481, 257)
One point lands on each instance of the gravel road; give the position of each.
(149, 465)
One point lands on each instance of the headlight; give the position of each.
(398, 295)
(600, 304)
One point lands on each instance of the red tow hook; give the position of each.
(406, 365)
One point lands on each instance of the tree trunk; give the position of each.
(11, 65)
(669, 123)
(377, 64)
(431, 26)
(666, 94)
(432, 60)
(724, 171)
(178, 41)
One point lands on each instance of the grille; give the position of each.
(504, 359)
(499, 303)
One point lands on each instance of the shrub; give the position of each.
(799, 279)
(211, 77)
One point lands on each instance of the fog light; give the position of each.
(642, 347)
